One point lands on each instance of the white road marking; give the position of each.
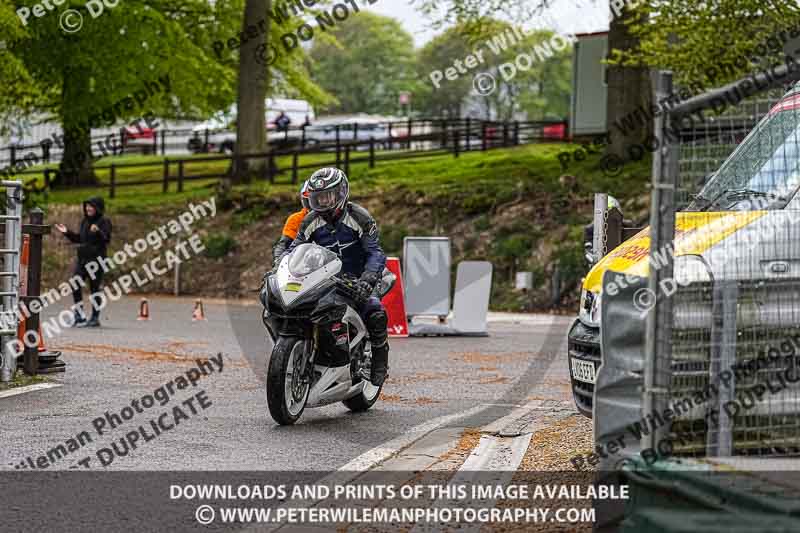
(513, 416)
(28, 388)
(377, 455)
(497, 454)
(369, 460)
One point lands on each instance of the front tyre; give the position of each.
(287, 390)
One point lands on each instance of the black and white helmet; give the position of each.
(328, 190)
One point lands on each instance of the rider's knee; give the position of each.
(377, 319)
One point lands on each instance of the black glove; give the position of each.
(367, 283)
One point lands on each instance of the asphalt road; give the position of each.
(431, 379)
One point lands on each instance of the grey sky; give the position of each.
(572, 16)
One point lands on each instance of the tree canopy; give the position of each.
(730, 36)
(367, 66)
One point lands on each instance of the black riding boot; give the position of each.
(379, 338)
(380, 364)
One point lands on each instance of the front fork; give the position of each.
(308, 355)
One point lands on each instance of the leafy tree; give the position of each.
(368, 65)
(77, 77)
(251, 129)
(533, 71)
(443, 12)
(438, 55)
(691, 38)
(73, 77)
(628, 83)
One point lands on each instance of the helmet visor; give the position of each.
(324, 200)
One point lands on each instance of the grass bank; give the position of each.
(514, 207)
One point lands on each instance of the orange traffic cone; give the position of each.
(23, 289)
(144, 310)
(198, 313)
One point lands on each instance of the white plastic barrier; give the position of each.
(471, 301)
(426, 275)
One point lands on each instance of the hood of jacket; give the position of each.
(97, 203)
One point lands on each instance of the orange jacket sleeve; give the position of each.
(292, 225)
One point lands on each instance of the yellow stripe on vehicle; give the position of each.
(695, 232)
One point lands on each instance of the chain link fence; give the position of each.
(722, 344)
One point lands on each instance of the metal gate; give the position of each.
(9, 274)
(722, 343)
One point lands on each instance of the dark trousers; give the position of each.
(376, 325)
(94, 284)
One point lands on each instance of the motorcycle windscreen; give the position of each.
(308, 258)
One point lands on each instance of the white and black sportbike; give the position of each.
(322, 352)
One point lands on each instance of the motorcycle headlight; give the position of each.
(589, 312)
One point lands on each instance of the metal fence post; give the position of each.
(180, 175)
(35, 229)
(166, 175)
(719, 440)
(658, 334)
(338, 146)
(112, 177)
(372, 152)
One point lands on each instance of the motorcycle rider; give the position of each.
(291, 226)
(349, 230)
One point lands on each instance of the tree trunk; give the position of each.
(251, 129)
(75, 167)
(629, 94)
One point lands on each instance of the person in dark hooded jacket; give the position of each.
(92, 239)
